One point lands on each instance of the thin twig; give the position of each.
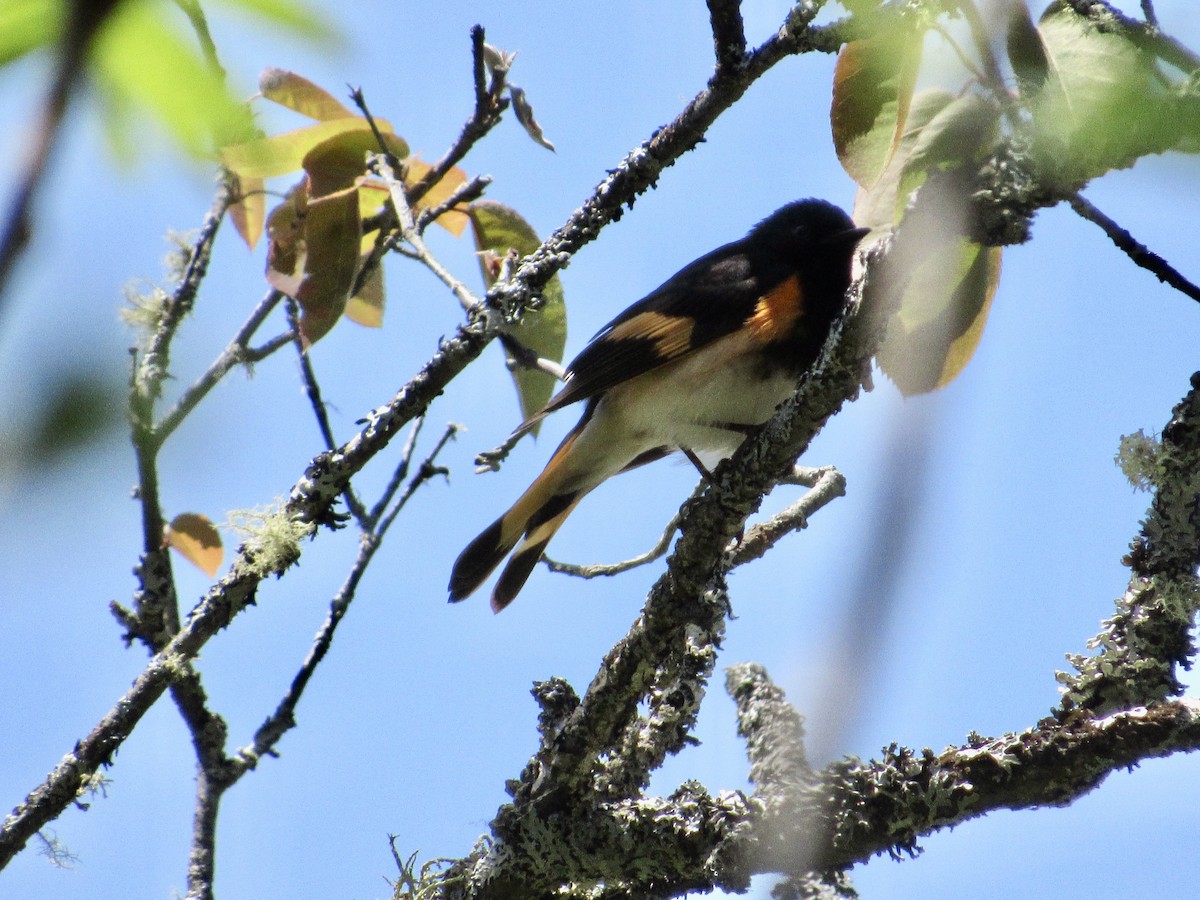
(760, 538)
(1135, 250)
(312, 390)
(283, 718)
(597, 569)
(466, 192)
(234, 354)
(409, 232)
(489, 105)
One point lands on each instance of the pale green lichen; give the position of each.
(145, 305)
(1139, 458)
(271, 537)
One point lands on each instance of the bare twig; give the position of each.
(595, 570)
(283, 718)
(465, 193)
(312, 389)
(1136, 251)
(236, 353)
(489, 105)
(829, 485)
(410, 233)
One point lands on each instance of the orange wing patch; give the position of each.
(777, 310)
(672, 335)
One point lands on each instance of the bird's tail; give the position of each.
(528, 527)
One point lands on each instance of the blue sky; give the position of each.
(422, 710)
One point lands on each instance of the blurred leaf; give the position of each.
(250, 212)
(524, 112)
(1026, 53)
(876, 206)
(295, 17)
(498, 229)
(961, 132)
(26, 25)
(336, 162)
(137, 55)
(197, 540)
(942, 317)
(80, 406)
(872, 87)
(299, 94)
(279, 154)
(947, 283)
(1104, 104)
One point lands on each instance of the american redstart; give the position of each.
(696, 365)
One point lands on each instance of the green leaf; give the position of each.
(498, 229)
(872, 88)
(876, 206)
(139, 57)
(960, 133)
(1104, 103)
(295, 17)
(26, 25)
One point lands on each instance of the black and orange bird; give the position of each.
(694, 366)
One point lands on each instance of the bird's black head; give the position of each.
(808, 228)
(815, 239)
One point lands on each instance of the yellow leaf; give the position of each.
(299, 94)
(250, 212)
(279, 154)
(366, 307)
(196, 538)
(454, 220)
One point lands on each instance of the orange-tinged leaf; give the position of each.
(454, 220)
(335, 163)
(197, 540)
(872, 87)
(298, 93)
(279, 154)
(250, 212)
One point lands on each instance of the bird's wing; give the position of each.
(712, 297)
